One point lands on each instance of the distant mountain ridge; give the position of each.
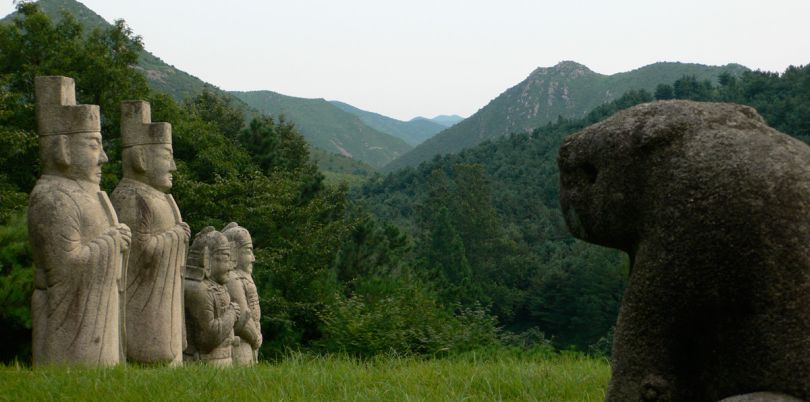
(445, 120)
(568, 89)
(326, 126)
(413, 132)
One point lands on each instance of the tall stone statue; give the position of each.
(713, 207)
(243, 291)
(154, 293)
(210, 314)
(77, 242)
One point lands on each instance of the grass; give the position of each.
(565, 377)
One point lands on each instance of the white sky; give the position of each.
(428, 57)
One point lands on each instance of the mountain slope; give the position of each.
(567, 89)
(327, 127)
(160, 76)
(413, 132)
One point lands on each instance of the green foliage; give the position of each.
(216, 109)
(403, 320)
(99, 61)
(578, 297)
(16, 287)
(335, 163)
(488, 224)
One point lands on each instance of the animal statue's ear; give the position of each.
(61, 151)
(648, 139)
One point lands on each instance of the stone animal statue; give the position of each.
(154, 296)
(713, 208)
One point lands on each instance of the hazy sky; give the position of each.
(420, 57)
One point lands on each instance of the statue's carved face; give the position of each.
(221, 264)
(86, 157)
(245, 258)
(160, 166)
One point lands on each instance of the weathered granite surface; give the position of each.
(154, 295)
(243, 291)
(78, 245)
(713, 207)
(210, 314)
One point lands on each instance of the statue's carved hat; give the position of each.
(137, 127)
(237, 234)
(205, 244)
(57, 111)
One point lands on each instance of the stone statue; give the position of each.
(154, 294)
(243, 291)
(210, 314)
(77, 242)
(713, 207)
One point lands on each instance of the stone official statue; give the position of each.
(243, 292)
(713, 208)
(154, 294)
(210, 314)
(77, 242)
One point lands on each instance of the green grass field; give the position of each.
(307, 378)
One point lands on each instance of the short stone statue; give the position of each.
(243, 291)
(713, 207)
(154, 294)
(78, 245)
(210, 314)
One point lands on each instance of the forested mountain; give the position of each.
(568, 89)
(328, 127)
(487, 219)
(159, 75)
(413, 132)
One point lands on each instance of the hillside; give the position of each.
(327, 127)
(567, 89)
(160, 75)
(180, 85)
(413, 132)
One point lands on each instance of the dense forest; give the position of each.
(487, 220)
(464, 252)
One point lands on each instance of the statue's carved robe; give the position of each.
(75, 306)
(247, 330)
(210, 320)
(154, 293)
